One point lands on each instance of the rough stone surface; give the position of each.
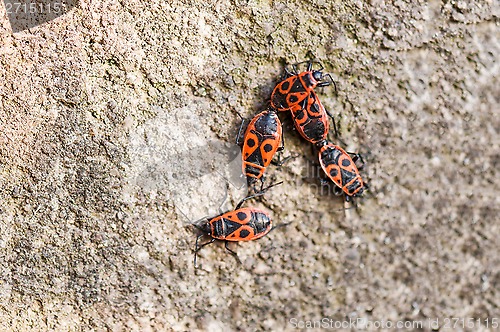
(106, 114)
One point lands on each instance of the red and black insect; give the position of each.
(310, 119)
(241, 224)
(296, 87)
(263, 138)
(341, 168)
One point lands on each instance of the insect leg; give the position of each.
(326, 83)
(310, 65)
(240, 131)
(197, 247)
(262, 192)
(336, 133)
(280, 162)
(355, 157)
(232, 252)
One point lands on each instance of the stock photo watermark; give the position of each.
(363, 323)
(313, 176)
(26, 14)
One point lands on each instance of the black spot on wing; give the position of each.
(334, 172)
(346, 162)
(244, 233)
(250, 142)
(241, 215)
(268, 147)
(285, 85)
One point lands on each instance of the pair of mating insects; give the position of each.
(263, 138)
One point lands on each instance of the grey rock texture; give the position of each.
(111, 119)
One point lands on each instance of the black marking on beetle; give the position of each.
(251, 170)
(285, 85)
(330, 155)
(315, 130)
(268, 147)
(308, 80)
(255, 158)
(279, 99)
(300, 114)
(230, 226)
(334, 172)
(267, 124)
(241, 215)
(354, 186)
(347, 176)
(346, 162)
(244, 233)
(259, 222)
(297, 86)
(218, 228)
(250, 142)
(314, 108)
